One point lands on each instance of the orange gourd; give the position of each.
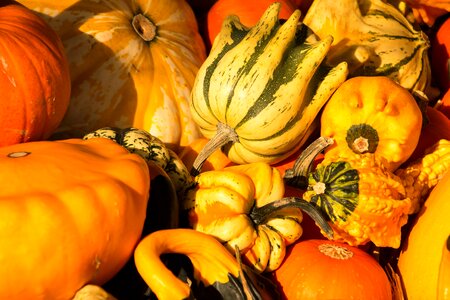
(71, 213)
(420, 259)
(34, 76)
(249, 13)
(321, 269)
(444, 104)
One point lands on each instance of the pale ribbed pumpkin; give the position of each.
(132, 63)
(263, 87)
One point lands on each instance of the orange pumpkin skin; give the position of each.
(71, 213)
(34, 76)
(438, 127)
(420, 259)
(444, 105)
(308, 273)
(249, 13)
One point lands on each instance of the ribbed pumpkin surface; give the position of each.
(123, 76)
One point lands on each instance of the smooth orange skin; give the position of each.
(308, 274)
(71, 213)
(34, 76)
(444, 105)
(249, 13)
(437, 128)
(420, 259)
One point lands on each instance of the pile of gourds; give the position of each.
(179, 149)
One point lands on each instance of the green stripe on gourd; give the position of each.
(334, 189)
(260, 89)
(151, 149)
(375, 38)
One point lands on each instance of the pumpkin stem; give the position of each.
(362, 138)
(224, 135)
(297, 176)
(260, 214)
(145, 28)
(335, 251)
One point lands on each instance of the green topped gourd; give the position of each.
(260, 89)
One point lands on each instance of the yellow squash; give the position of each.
(132, 63)
(243, 206)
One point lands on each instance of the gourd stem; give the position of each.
(145, 28)
(298, 175)
(224, 135)
(260, 214)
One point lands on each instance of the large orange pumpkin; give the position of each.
(34, 76)
(71, 213)
(421, 256)
(132, 63)
(249, 13)
(322, 269)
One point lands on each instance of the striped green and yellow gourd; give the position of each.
(374, 38)
(260, 89)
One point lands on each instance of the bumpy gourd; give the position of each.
(374, 38)
(421, 176)
(363, 200)
(260, 89)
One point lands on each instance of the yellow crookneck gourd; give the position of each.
(243, 206)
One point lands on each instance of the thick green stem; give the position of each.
(260, 214)
(224, 135)
(297, 176)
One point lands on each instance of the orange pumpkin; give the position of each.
(322, 269)
(444, 104)
(34, 76)
(71, 213)
(249, 13)
(132, 64)
(422, 253)
(437, 127)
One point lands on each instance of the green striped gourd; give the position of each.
(152, 149)
(374, 38)
(260, 89)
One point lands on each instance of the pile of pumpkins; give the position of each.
(179, 149)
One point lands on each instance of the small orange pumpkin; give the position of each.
(321, 269)
(34, 76)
